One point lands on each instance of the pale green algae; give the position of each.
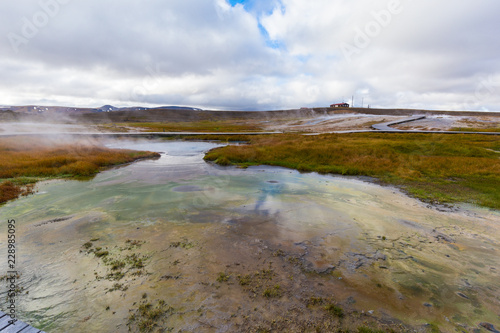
(390, 253)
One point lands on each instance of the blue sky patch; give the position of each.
(235, 2)
(258, 8)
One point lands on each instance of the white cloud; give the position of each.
(394, 53)
(433, 53)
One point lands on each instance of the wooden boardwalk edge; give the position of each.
(18, 327)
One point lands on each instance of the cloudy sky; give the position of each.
(251, 54)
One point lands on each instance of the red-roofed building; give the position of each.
(340, 105)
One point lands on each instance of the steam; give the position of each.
(48, 128)
(17, 128)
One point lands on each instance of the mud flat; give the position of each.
(183, 245)
(331, 122)
(455, 123)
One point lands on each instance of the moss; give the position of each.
(117, 264)
(267, 274)
(434, 328)
(119, 267)
(101, 253)
(245, 279)
(272, 292)
(223, 277)
(115, 276)
(279, 253)
(335, 310)
(150, 315)
(135, 261)
(133, 244)
(117, 286)
(185, 244)
(315, 301)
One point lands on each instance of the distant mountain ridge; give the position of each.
(172, 107)
(38, 109)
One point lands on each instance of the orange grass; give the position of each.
(470, 129)
(22, 157)
(9, 191)
(195, 126)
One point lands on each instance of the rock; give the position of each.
(489, 327)
(379, 256)
(320, 269)
(351, 300)
(326, 270)
(442, 237)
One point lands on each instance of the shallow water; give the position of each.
(373, 249)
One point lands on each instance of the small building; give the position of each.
(340, 105)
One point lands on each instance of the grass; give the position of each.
(469, 129)
(244, 280)
(364, 329)
(316, 300)
(132, 264)
(101, 253)
(433, 167)
(335, 310)
(10, 191)
(194, 126)
(149, 316)
(223, 277)
(135, 261)
(184, 244)
(26, 160)
(258, 283)
(272, 292)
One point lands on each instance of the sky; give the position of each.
(251, 54)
